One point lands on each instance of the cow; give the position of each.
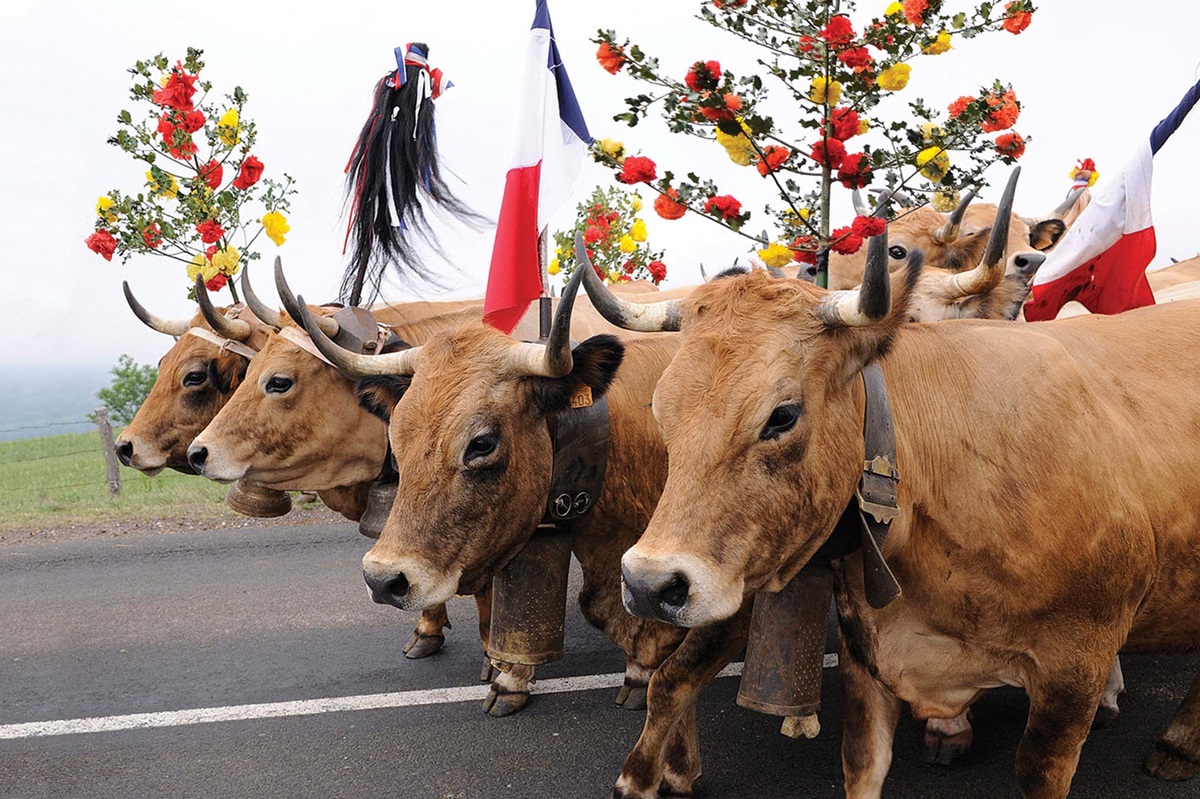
(1034, 540)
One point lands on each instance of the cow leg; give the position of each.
(946, 740)
(1176, 754)
(483, 607)
(632, 695)
(1062, 705)
(510, 690)
(427, 637)
(868, 727)
(667, 753)
(1107, 713)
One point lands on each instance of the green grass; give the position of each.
(59, 480)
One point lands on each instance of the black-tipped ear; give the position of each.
(378, 394)
(1046, 234)
(595, 366)
(871, 342)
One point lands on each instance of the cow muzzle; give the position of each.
(408, 584)
(1026, 264)
(387, 588)
(679, 589)
(214, 462)
(134, 453)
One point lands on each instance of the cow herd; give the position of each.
(1046, 519)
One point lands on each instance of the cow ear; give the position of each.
(227, 371)
(871, 342)
(595, 364)
(1045, 234)
(378, 394)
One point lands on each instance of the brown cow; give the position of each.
(1010, 575)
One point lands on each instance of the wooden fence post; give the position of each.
(110, 452)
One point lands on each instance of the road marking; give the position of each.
(309, 707)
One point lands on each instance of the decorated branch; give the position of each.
(204, 201)
(833, 70)
(615, 237)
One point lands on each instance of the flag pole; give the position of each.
(544, 311)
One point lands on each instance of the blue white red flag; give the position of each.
(1101, 261)
(551, 144)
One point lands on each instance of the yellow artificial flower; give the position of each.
(614, 275)
(226, 261)
(638, 231)
(275, 225)
(167, 192)
(776, 255)
(554, 268)
(827, 91)
(739, 148)
(894, 9)
(863, 125)
(202, 266)
(944, 201)
(929, 131)
(934, 162)
(228, 127)
(894, 78)
(613, 149)
(636, 203)
(628, 244)
(939, 45)
(797, 218)
(102, 206)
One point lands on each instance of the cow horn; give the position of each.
(648, 317)
(1065, 207)
(294, 308)
(403, 362)
(776, 272)
(257, 307)
(236, 329)
(949, 231)
(553, 359)
(990, 271)
(703, 274)
(872, 300)
(860, 205)
(172, 327)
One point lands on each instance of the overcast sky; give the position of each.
(1094, 76)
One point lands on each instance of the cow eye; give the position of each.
(196, 378)
(897, 252)
(481, 446)
(782, 419)
(279, 385)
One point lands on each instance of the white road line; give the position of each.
(308, 707)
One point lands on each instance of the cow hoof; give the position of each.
(488, 672)
(945, 749)
(1169, 762)
(422, 645)
(500, 703)
(632, 697)
(1105, 717)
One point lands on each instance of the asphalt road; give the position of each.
(233, 617)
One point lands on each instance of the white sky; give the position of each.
(1094, 77)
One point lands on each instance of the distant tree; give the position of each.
(130, 386)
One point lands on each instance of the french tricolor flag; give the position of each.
(551, 144)
(1101, 261)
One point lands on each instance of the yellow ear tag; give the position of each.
(582, 398)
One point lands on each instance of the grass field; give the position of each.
(59, 480)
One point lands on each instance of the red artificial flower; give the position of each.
(1003, 114)
(628, 267)
(592, 234)
(217, 283)
(167, 128)
(611, 58)
(152, 235)
(845, 241)
(1016, 21)
(658, 271)
(868, 226)
(1011, 144)
(829, 152)
(102, 243)
(806, 43)
(855, 171)
(210, 252)
(959, 106)
(843, 123)
(703, 75)
(724, 206)
(774, 157)
(637, 169)
(210, 231)
(212, 173)
(249, 174)
(668, 206)
(838, 32)
(856, 57)
(733, 104)
(914, 11)
(192, 121)
(1087, 164)
(804, 250)
(178, 91)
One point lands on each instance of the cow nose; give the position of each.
(197, 456)
(125, 452)
(654, 594)
(387, 589)
(1027, 263)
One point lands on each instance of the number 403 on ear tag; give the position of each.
(582, 398)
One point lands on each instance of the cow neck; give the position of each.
(579, 439)
(868, 517)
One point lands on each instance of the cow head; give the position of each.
(469, 429)
(196, 378)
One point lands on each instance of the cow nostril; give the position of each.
(125, 452)
(389, 590)
(1028, 263)
(197, 456)
(674, 593)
